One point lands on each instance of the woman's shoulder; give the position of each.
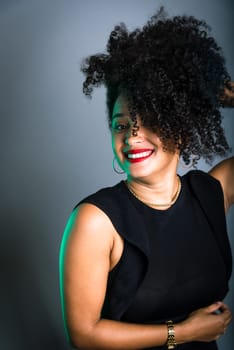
(104, 197)
(108, 203)
(219, 180)
(92, 217)
(197, 173)
(204, 186)
(200, 178)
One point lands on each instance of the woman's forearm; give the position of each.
(202, 325)
(115, 335)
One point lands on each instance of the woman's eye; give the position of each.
(118, 127)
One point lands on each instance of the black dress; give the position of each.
(185, 270)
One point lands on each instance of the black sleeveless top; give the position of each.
(186, 270)
(174, 261)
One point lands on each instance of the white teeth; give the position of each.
(139, 155)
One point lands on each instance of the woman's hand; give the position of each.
(208, 323)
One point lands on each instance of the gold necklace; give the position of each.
(174, 198)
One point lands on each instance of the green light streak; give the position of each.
(62, 256)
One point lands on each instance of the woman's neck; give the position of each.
(162, 192)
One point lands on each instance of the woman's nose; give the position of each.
(134, 135)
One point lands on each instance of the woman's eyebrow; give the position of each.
(119, 115)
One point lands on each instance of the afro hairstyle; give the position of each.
(172, 73)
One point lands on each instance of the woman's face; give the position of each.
(140, 156)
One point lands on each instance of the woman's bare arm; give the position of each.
(224, 172)
(227, 98)
(86, 263)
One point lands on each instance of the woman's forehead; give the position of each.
(120, 107)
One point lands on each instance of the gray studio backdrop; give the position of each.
(55, 144)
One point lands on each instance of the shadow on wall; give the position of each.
(27, 321)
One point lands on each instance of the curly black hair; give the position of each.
(173, 74)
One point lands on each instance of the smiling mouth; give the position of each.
(136, 156)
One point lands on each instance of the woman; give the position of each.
(145, 264)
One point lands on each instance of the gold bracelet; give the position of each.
(171, 344)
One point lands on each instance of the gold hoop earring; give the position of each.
(117, 171)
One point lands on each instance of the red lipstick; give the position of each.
(138, 155)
